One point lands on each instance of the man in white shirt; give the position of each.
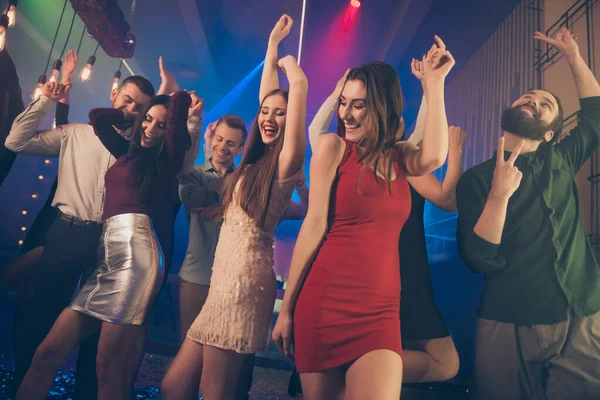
(70, 246)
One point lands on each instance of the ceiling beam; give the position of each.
(106, 23)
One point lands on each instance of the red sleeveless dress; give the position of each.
(349, 304)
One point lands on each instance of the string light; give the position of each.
(41, 177)
(23, 228)
(12, 13)
(86, 72)
(47, 162)
(3, 27)
(58, 63)
(24, 212)
(55, 70)
(20, 243)
(37, 92)
(117, 77)
(34, 196)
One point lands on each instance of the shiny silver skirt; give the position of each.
(129, 273)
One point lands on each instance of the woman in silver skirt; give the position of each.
(117, 297)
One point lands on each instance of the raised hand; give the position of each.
(168, 83)
(285, 62)
(456, 140)
(209, 134)
(416, 67)
(438, 62)
(56, 91)
(564, 41)
(281, 29)
(507, 177)
(283, 334)
(69, 66)
(196, 106)
(339, 86)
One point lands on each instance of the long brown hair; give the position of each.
(256, 171)
(383, 123)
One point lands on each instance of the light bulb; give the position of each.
(86, 72)
(54, 76)
(2, 38)
(3, 26)
(116, 80)
(37, 92)
(12, 15)
(55, 70)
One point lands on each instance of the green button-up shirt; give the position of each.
(544, 263)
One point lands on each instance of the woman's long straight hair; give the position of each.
(256, 171)
(383, 124)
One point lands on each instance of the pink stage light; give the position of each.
(355, 3)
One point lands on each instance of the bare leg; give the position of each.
(69, 329)
(222, 373)
(183, 377)
(432, 360)
(327, 385)
(191, 300)
(15, 275)
(114, 350)
(376, 375)
(136, 357)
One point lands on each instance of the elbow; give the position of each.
(449, 203)
(12, 145)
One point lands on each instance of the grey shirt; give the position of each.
(197, 190)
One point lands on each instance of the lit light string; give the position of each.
(37, 92)
(58, 63)
(301, 30)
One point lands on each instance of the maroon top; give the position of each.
(124, 179)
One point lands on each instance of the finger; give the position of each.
(286, 346)
(279, 343)
(160, 64)
(440, 42)
(516, 152)
(544, 38)
(500, 152)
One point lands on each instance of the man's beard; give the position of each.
(516, 121)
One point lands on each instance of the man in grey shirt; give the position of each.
(70, 246)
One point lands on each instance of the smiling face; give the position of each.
(353, 109)
(154, 126)
(129, 98)
(227, 144)
(271, 119)
(532, 115)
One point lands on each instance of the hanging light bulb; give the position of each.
(3, 26)
(55, 70)
(86, 72)
(12, 14)
(116, 80)
(37, 92)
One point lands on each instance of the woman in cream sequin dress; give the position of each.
(236, 317)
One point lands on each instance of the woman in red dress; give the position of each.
(342, 302)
